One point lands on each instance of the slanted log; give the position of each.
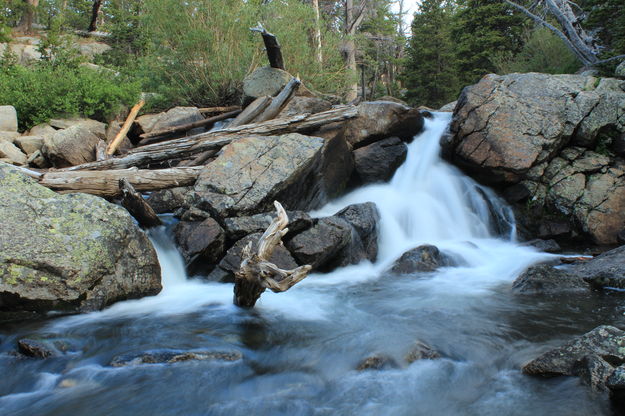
(219, 110)
(136, 205)
(256, 272)
(186, 147)
(106, 183)
(274, 52)
(184, 127)
(280, 101)
(251, 112)
(112, 147)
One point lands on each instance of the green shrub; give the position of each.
(44, 91)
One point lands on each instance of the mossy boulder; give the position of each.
(73, 252)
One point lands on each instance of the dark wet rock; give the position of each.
(34, 348)
(377, 362)
(220, 275)
(604, 342)
(605, 270)
(381, 119)
(239, 227)
(546, 279)
(594, 371)
(172, 357)
(425, 258)
(200, 242)
(548, 246)
(364, 219)
(72, 252)
(232, 260)
(321, 243)
(378, 162)
(168, 200)
(621, 237)
(421, 351)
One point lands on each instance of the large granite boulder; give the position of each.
(73, 252)
(265, 81)
(12, 153)
(551, 135)
(29, 144)
(75, 144)
(378, 162)
(200, 242)
(299, 171)
(305, 105)
(8, 118)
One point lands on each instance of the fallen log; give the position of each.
(112, 147)
(274, 52)
(219, 110)
(186, 147)
(280, 101)
(185, 127)
(257, 273)
(136, 205)
(106, 183)
(200, 159)
(251, 112)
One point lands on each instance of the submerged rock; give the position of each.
(547, 279)
(421, 351)
(34, 348)
(172, 357)
(425, 258)
(377, 362)
(73, 252)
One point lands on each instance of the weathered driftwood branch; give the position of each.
(257, 273)
(274, 53)
(280, 101)
(219, 110)
(186, 127)
(251, 112)
(106, 183)
(136, 205)
(112, 147)
(187, 147)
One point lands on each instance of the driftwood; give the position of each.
(219, 110)
(136, 205)
(257, 273)
(186, 127)
(274, 53)
(187, 147)
(251, 112)
(106, 183)
(280, 101)
(112, 147)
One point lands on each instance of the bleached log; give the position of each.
(106, 183)
(136, 205)
(119, 137)
(280, 101)
(219, 110)
(186, 127)
(257, 273)
(186, 147)
(251, 112)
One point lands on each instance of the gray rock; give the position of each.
(232, 260)
(42, 130)
(265, 81)
(172, 357)
(449, 107)
(65, 123)
(322, 243)
(169, 200)
(588, 356)
(421, 351)
(9, 136)
(379, 161)
(9, 151)
(377, 362)
(605, 270)
(548, 246)
(29, 144)
(37, 160)
(620, 70)
(425, 258)
(239, 227)
(73, 252)
(200, 242)
(305, 105)
(73, 145)
(176, 116)
(91, 49)
(145, 123)
(545, 279)
(8, 118)
(364, 219)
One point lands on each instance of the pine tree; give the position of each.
(430, 70)
(482, 29)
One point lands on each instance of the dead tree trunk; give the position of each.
(353, 20)
(26, 22)
(95, 13)
(317, 33)
(256, 272)
(274, 52)
(136, 205)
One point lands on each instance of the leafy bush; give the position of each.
(45, 91)
(542, 52)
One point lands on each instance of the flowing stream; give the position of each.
(301, 348)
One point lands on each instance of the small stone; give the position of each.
(376, 362)
(35, 349)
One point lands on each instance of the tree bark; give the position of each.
(186, 147)
(274, 52)
(95, 13)
(26, 21)
(136, 205)
(256, 272)
(106, 183)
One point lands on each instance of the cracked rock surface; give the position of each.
(553, 135)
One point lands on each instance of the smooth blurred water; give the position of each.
(301, 348)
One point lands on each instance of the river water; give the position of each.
(301, 348)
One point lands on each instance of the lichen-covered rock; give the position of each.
(74, 145)
(620, 70)
(584, 356)
(378, 162)
(73, 252)
(251, 173)
(546, 279)
(425, 258)
(551, 135)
